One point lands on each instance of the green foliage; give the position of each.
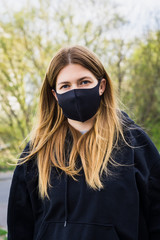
(3, 234)
(144, 97)
(155, 134)
(29, 39)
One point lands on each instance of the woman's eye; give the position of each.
(64, 86)
(85, 82)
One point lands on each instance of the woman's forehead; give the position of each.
(73, 72)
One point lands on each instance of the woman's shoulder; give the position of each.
(136, 132)
(144, 149)
(26, 150)
(26, 167)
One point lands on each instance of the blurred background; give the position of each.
(124, 34)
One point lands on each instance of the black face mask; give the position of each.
(80, 104)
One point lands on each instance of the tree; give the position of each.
(29, 39)
(145, 84)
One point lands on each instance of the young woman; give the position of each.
(89, 172)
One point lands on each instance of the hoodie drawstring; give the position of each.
(66, 192)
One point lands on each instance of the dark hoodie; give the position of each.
(128, 208)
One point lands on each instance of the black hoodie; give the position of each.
(128, 208)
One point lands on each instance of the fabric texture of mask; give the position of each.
(80, 104)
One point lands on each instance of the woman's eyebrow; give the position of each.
(84, 78)
(63, 82)
(80, 79)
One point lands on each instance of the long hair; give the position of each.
(94, 147)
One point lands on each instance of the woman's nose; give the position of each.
(74, 86)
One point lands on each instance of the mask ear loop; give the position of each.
(54, 90)
(99, 82)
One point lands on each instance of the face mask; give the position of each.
(80, 104)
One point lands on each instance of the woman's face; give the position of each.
(81, 108)
(75, 76)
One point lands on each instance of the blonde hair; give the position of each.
(94, 147)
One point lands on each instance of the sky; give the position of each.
(140, 13)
